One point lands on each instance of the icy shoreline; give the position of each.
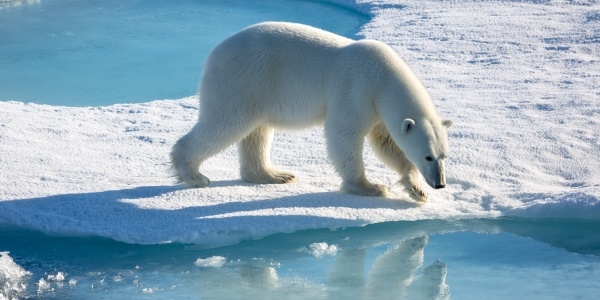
(525, 141)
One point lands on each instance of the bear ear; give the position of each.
(447, 123)
(407, 125)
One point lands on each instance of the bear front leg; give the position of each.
(345, 148)
(390, 154)
(255, 165)
(412, 186)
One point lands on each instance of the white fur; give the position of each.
(289, 75)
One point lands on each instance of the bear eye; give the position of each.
(429, 158)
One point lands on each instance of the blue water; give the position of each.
(99, 52)
(484, 259)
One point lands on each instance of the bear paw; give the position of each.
(196, 181)
(366, 189)
(416, 193)
(414, 190)
(269, 177)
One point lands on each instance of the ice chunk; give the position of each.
(150, 290)
(60, 277)
(12, 278)
(320, 249)
(211, 262)
(44, 286)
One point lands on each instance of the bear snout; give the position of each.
(439, 186)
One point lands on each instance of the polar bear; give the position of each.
(287, 75)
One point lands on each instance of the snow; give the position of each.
(520, 79)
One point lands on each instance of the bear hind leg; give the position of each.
(255, 164)
(201, 143)
(390, 154)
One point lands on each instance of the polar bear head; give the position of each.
(425, 144)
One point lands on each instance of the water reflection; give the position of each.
(398, 270)
(397, 273)
(382, 261)
(393, 275)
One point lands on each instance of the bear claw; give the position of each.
(417, 194)
(285, 178)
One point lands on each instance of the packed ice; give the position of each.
(520, 79)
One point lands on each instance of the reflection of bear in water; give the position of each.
(292, 76)
(392, 276)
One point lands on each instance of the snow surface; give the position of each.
(520, 79)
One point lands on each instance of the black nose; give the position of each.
(439, 186)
